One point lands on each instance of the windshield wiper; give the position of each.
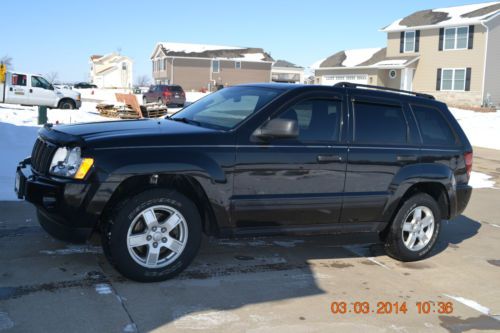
(185, 120)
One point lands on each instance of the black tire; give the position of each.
(180, 105)
(394, 244)
(67, 104)
(116, 233)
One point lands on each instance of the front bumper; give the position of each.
(78, 104)
(62, 203)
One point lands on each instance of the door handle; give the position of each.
(31, 90)
(329, 158)
(407, 158)
(10, 89)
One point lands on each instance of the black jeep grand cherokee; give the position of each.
(254, 159)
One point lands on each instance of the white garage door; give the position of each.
(353, 78)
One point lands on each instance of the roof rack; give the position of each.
(357, 85)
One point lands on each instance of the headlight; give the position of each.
(78, 97)
(69, 163)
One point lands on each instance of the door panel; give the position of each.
(293, 182)
(17, 91)
(381, 147)
(40, 94)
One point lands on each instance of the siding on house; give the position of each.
(492, 77)
(373, 77)
(431, 59)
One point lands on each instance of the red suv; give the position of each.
(165, 94)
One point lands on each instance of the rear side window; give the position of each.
(434, 129)
(379, 124)
(18, 80)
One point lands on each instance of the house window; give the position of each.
(409, 41)
(124, 66)
(456, 38)
(453, 79)
(237, 64)
(215, 66)
(165, 64)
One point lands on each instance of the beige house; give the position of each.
(197, 67)
(286, 72)
(111, 71)
(452, 53)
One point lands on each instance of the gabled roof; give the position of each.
(363, 58)
(285, 64)
(212, 52)
(346, 58)
(449, 16)
(100, 58)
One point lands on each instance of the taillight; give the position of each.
(167, 93)
(468, 163)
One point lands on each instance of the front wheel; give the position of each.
(154, 235)
(67, 104)
(415, 229)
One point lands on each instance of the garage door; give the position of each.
(353, 78)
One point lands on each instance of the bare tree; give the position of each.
(52, 77)
(7, 61)
(142, 81)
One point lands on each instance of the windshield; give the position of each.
(228, 107)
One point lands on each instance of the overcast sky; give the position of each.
(59, 36)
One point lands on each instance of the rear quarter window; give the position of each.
(434, 128)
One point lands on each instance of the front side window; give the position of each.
(379, 124)
(434, 129)
(409, 41)
(456, 38)
(227, 108)
(318, 119)
(215, 66)
(237, 65)
(18, 80)
(39, 82)
(453, 79)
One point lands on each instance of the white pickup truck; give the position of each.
(33, 89)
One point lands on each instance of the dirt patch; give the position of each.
(415, 265)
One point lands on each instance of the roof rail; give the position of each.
(357, 85)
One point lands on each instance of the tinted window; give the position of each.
(18, 80)
(434, 129)
(228, 107)
(39, 82)
(175, 88)
(318, 119)
(379, 123)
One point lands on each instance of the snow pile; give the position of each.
(390, 63)
(481, 180)
(318, 63)
(482, 129)
(454, 15)
(358, 56)
(251, 57)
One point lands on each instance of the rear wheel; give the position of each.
(67, 104)
(415, 229)
(153, 236)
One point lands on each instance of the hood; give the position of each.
(67, 93)
(124, 132)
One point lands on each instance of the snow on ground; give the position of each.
(481, 180)
(482, 128)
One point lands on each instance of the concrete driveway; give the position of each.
(260, 285)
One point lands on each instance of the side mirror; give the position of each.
(50, 87)
(278, 129)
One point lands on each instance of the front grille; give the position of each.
(41, 156)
